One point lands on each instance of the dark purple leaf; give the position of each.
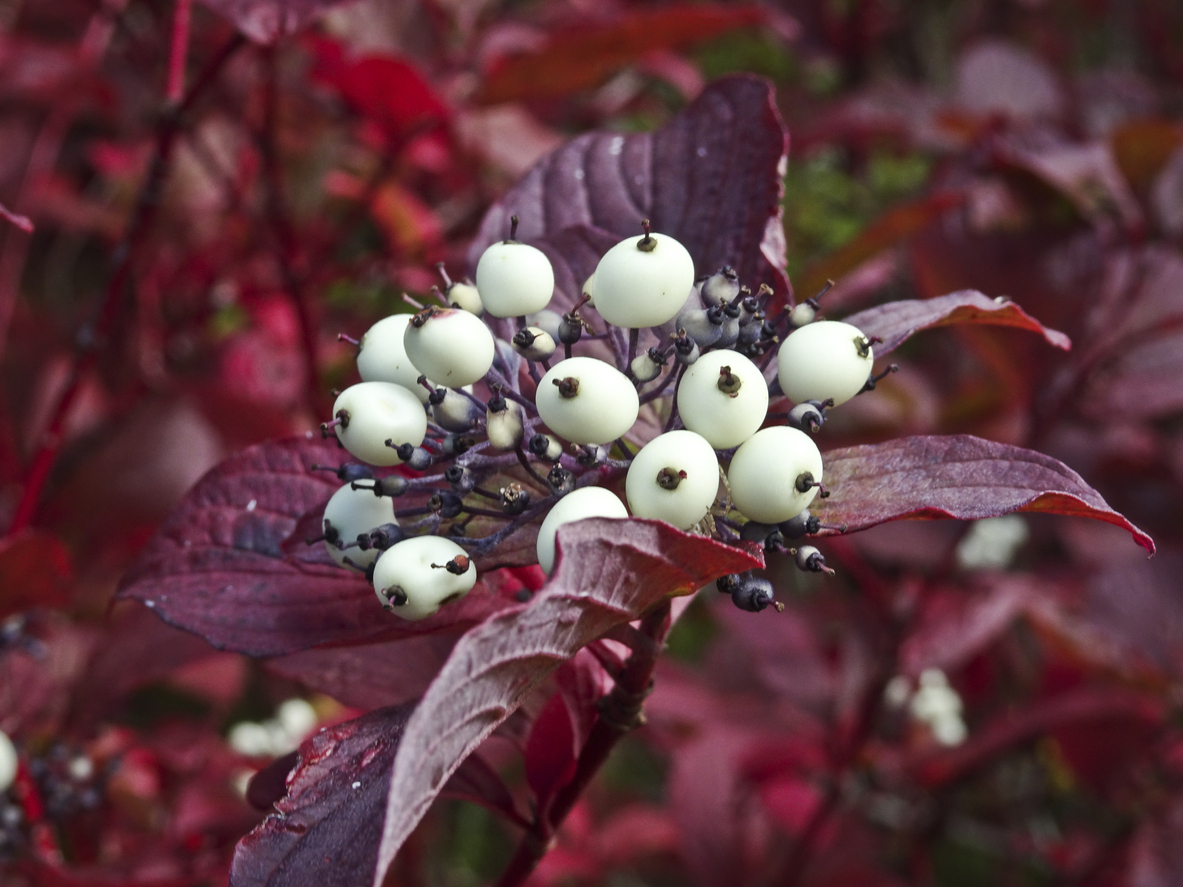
(268, 786)
(370, 675)
(217, 566)
(265, 21)
(609, 572)
(958, 476)
(711, 178)
(326, 830)
(895, 322)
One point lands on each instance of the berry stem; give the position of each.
(647, 243)
(669, 423)
(525, 462)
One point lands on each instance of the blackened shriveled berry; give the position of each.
(560, 480)
(459, 478)
(457, 444)
(753, 594)
(727, 584)
(394, 485)
(545, 447)
(514, 499)
(803, 524)
(416, 458)
(380, 538)
(811, 415)
(753, 531)
(722, 286)
(686, 350)
(349, 471)
(446, 503)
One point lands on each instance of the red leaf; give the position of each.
(711, 178)
(136, 649)
(609, 572)
(386, 91)
(955, 626)
(893, 227)
(895, 322)
(959, 476)
(35, 571)
(582, 682)
(705, 799)
(326, 829)
(791, 801)
(265, 21)
(550, 751)
(217, 568)
(581, 57)
(1088, 705)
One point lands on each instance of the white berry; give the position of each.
(451, 346)
(505, 428)
(723, 397)
(576, 505)
(675, 478)
(643, 281)
(417, 576)
(348, 514)
(765, 472)
(381, 356)
(514, 279)
(370, 413)
(587, 401)
(464, 296)
(824, 360)
(8, 762)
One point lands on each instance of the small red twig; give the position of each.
(620, 713)
(178, 52)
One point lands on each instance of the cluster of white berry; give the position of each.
(568, 441)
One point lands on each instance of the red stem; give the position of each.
(178, 52)
(620, 713)
(124, 255)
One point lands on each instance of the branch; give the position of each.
(620, 713)
(124, 255)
